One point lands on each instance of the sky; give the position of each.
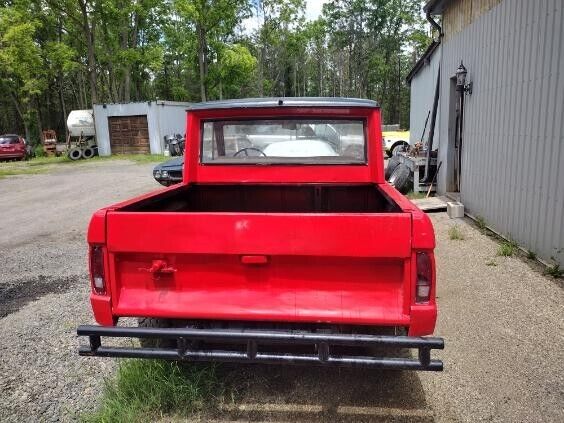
(313, 8)
(312, 12)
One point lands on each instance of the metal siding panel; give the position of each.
(555, 223)
(535, 126)
(422, 93)
(544, 135)
(514, 126)
(525, 124)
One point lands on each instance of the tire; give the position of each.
(150, 322)
(397, 147)
(401, 179)
(88, 153)
(74, 154)
(393, 163)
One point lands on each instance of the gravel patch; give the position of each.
(44, 286)
(503, 326)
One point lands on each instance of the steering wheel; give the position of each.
(246, 149)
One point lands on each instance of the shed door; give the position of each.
(129, 134)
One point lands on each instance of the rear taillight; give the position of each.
(424, 278)
(97, 269)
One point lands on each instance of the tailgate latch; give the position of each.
(159, 267)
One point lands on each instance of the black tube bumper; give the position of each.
(252, 339)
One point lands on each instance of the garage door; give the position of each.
(129, 134)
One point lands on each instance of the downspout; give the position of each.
(434, 23)
(439, 29)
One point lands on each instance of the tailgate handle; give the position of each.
(256, 260)
(159, 266)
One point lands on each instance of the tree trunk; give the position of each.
(20, 113)
(260, 72)
(89, 33)
(63, 105)
(202, 60)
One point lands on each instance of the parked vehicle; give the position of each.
(81, 141)
(169, 172)
(175, 144)
(395, 141)
(292, 251)
(13, 147)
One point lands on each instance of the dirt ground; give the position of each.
(503, 325)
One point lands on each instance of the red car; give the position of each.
(12, 147)
(281, 245)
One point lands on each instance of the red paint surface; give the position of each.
(349, 268)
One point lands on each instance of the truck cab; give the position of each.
(282, 244)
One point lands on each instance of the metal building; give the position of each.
(137, 127)
(500, 134)
(423, 80)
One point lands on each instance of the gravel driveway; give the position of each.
(503, 325)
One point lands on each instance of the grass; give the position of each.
(531, 255)
(491, 263)
(555, 271)
(145, 390)
(43, 164)
(455, 233)
(481, 223)
(21, 171)
(507, 249)
(416, 195)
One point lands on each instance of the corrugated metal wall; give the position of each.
(422, 92)
(513, 148)
(163, 118)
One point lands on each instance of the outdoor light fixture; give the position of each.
(461, 84)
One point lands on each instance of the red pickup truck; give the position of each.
(283, 244)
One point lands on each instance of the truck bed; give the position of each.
(263, 198)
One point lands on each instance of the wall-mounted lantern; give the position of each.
(461, 84)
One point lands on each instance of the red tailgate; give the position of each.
(347, 268)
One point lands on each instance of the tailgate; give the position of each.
(338, 268)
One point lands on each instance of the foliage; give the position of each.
(531, 255)
(481, 223)
(507, 249)
(60, 55)
(455, 233)
(555, 271)
(39, 151)
(144, 390)
(416, 195)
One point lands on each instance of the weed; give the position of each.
(455, 233)
(531, 255)
(416, 195)
(39, 150)
(20, 171)
(555, 271)
(143, 390)
(507, 249)
(481, 223)
(140, 158)
(491, 263)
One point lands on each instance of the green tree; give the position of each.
(213, 21)
(22, 75)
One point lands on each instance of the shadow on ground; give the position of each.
(308, 394)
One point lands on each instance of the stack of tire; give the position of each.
(77, 153)
(399, 175)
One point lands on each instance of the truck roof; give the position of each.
(284, 102)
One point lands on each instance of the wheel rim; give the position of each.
(397, 149)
